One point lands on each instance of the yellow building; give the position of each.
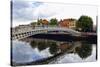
(45, 22)
(69, 23)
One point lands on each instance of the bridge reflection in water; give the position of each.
(30, 51)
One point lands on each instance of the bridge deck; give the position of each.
(19, 34)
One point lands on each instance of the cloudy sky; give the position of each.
(25, 12)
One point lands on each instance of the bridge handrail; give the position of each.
(45, 28)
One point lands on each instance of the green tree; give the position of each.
(53, 21)
(85, 23)
(39, 21)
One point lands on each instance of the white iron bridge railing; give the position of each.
(29, 32)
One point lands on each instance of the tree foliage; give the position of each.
(39, 21)
(53, 21)
(85, 23)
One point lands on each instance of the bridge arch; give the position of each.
(27, 33)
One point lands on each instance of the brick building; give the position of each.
(69, 23)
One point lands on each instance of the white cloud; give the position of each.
(55, 10)
(60, 11)
(22, 11)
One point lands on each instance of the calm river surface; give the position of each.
(32, 50)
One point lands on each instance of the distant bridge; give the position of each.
(20, 34)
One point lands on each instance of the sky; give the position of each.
(25, 12)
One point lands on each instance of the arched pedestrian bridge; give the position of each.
(20, 34)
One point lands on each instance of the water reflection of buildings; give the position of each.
(64, 46)
(59, 50)
(83, 49)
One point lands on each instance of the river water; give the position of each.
(32, 50)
